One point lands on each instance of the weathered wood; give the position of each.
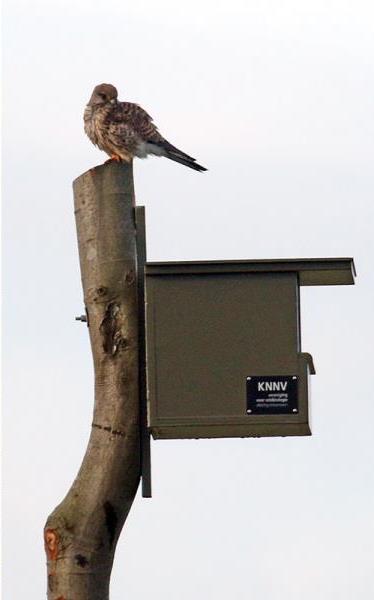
(82, 532)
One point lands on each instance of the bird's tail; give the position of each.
(188, 162)
(164, 148)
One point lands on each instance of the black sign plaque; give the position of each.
(272, 395)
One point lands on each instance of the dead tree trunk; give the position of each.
(82, 532)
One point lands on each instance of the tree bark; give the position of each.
(82, 532)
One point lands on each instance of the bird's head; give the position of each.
(103, 94)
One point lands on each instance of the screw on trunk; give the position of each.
(82, 318)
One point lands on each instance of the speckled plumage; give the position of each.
(124, 130)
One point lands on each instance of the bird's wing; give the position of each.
(130, 123)
(130, 120)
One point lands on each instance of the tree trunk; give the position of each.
(82, 532)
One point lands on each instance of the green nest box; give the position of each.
(223, 350)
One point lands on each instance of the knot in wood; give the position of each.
(111, 330)
(130, 277)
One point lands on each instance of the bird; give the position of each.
(124, 130)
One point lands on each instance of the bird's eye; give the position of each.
(102, 96)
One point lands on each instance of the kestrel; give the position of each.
(124, 130)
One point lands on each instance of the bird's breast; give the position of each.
(94, 125)
(89, 124)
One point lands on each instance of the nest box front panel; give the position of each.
(207, 333)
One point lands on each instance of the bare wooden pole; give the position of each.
(82, 532)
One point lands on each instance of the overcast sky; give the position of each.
(276, 98)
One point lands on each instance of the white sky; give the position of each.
(275, 97)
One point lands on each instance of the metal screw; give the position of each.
(294, 410)
(82, 318)
(294, 377)
(249, 410)
(249, 378)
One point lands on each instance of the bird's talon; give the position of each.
(114, 157)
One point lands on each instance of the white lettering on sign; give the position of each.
(272, 386)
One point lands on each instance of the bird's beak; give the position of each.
(113, 101)
(91, 101)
